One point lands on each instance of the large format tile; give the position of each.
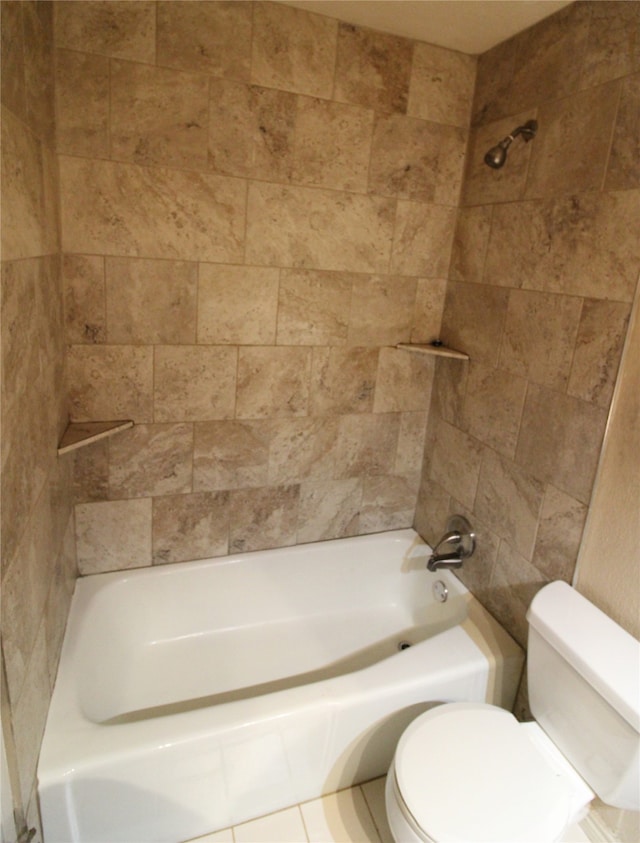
(12, 58)
(623, 171)
(212, 38)
(389, 502)
(382, 310)
(562, 449)
(158, 116)
(230, 454)
(329, 509)
(422, 239)
(96, 526)
(150, 460)
(190, 526)
(293, 50)
(332, 144)
(493, 407)
(125, 209)
(194, 382)
(150, 301)
(342, 380)
(403, 382)
(302, 449)
(313, 307)
(613, 47)
(125, 30)
(569, 153)
(455, 462)
(470, 244)
(82, 104)
(85, 299)
(373, 68)
(273, 382)
(263, 518)
(441, 87)
(473, 320)
(318, 229)
(237, 305)
(559, 534)
(367, 444)
(251, 131)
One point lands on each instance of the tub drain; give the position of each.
(403, 645)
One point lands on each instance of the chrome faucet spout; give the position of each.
(444, 560)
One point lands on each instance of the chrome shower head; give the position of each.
(497, 155)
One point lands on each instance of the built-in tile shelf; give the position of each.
(79, 434)
(435, 350)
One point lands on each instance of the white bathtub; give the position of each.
(195, 696)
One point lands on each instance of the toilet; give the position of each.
(471, 773)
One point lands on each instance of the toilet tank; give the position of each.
(583, 673)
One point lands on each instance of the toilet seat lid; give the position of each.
(467, 771)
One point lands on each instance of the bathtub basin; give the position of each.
(195, 696)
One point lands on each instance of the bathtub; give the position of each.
(195, 696)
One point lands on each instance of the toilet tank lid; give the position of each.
(603, 653)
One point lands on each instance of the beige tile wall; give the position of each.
(545, 263)
(38, 548)
(258, 203)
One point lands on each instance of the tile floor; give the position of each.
(356, 815)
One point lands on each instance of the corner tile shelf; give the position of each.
(433, 350)
(79, 434)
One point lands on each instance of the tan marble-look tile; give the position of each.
(189, 527)
(493, 76)
(38, 46)
(212, 38)
(473, 320)
(342, 380)
(449, 389)
(332, 144)
(509, 501)
(110, 382)
(559, 534)
(150, 301)
(585, 245)
(441, 86)
(428, 309)
(484, 185)
(251, 131)
(150, 460)
(273, 382)
(237, 305)
(329, 509)
(416, 159)
(570, 151)
(388, 503)
(318, 229)
(455, 461)
(422, 239)
(548, 64)
(613, 47)
(59, 598)
(514, 584)
(601, 334)
(560, 439)
(22, 205)
(114, 28)
(367, 444)
(194, 382)
(129, 210)
(623, 170)
(477, 571)
(470, 244)
(91, 473)
(12, 58)
(432, 510)
(493, 407)
(82, 104)
(85, 306)
(313, 307)
(302, 449)
(373, 68)
(158, 116)
(293, 50)
(382, 310)
(98, 524)
(403, 382)
(411, 438)
(230, 454)
(539, 336)
(263, 518)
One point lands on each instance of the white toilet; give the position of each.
(471, 773)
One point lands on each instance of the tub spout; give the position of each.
(444, 560)
(460, 541)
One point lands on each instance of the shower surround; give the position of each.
(258, 203)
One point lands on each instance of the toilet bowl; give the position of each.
(471, 773)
